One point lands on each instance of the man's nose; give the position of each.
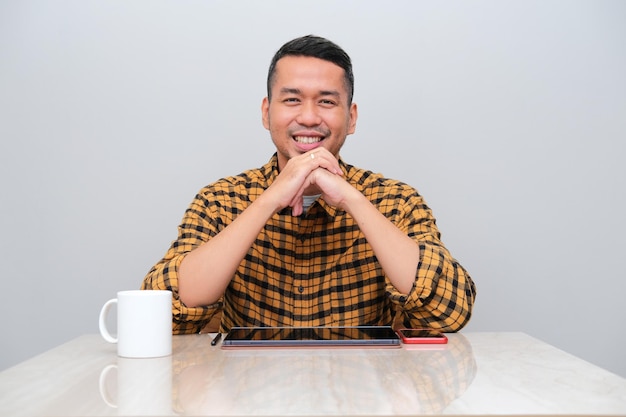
(309, 114)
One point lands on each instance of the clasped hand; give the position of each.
(314, 172)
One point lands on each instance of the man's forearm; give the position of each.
(206, 271)
(397, 253)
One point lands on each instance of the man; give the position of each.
(308, 240)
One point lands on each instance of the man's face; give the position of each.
(309, 107)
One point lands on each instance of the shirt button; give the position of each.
(301, 289)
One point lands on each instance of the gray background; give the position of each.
(508, 116)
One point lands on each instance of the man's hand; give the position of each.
(335, 190)
(311, 173)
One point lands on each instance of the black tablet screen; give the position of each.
(312, 336)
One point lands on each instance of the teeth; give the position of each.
(307, 139)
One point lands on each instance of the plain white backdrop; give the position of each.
(508, 116)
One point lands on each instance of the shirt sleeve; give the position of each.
(195, 229)
(443, 293)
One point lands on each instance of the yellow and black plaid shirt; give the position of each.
(317, 269)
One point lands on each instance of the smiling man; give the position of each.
(307, 239)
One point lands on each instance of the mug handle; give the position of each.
(103, 392)
(102, 322)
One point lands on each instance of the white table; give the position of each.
(475, 374)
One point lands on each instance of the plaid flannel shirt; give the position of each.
(318, 269)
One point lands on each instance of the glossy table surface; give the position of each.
(474, 374)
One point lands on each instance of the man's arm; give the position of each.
(431, 288)
(397, 253)
(444, 293)
(206, 271)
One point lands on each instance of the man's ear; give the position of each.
(354, 114)
(265, 110)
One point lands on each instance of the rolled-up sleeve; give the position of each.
(194, 230)
(443, 293)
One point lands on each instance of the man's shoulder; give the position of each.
(366, 179)
(255, 176)
(242, 183)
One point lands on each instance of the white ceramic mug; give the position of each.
(144, 323)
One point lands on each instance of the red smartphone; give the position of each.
(425, 336)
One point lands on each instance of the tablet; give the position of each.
(354, 336)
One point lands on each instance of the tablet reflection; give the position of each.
(323, 381)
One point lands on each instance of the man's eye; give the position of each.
(327, 102)
(291, 100)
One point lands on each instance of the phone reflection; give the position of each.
(325, 381)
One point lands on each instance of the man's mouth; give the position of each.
(307, 140)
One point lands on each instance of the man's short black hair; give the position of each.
(316, 47)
